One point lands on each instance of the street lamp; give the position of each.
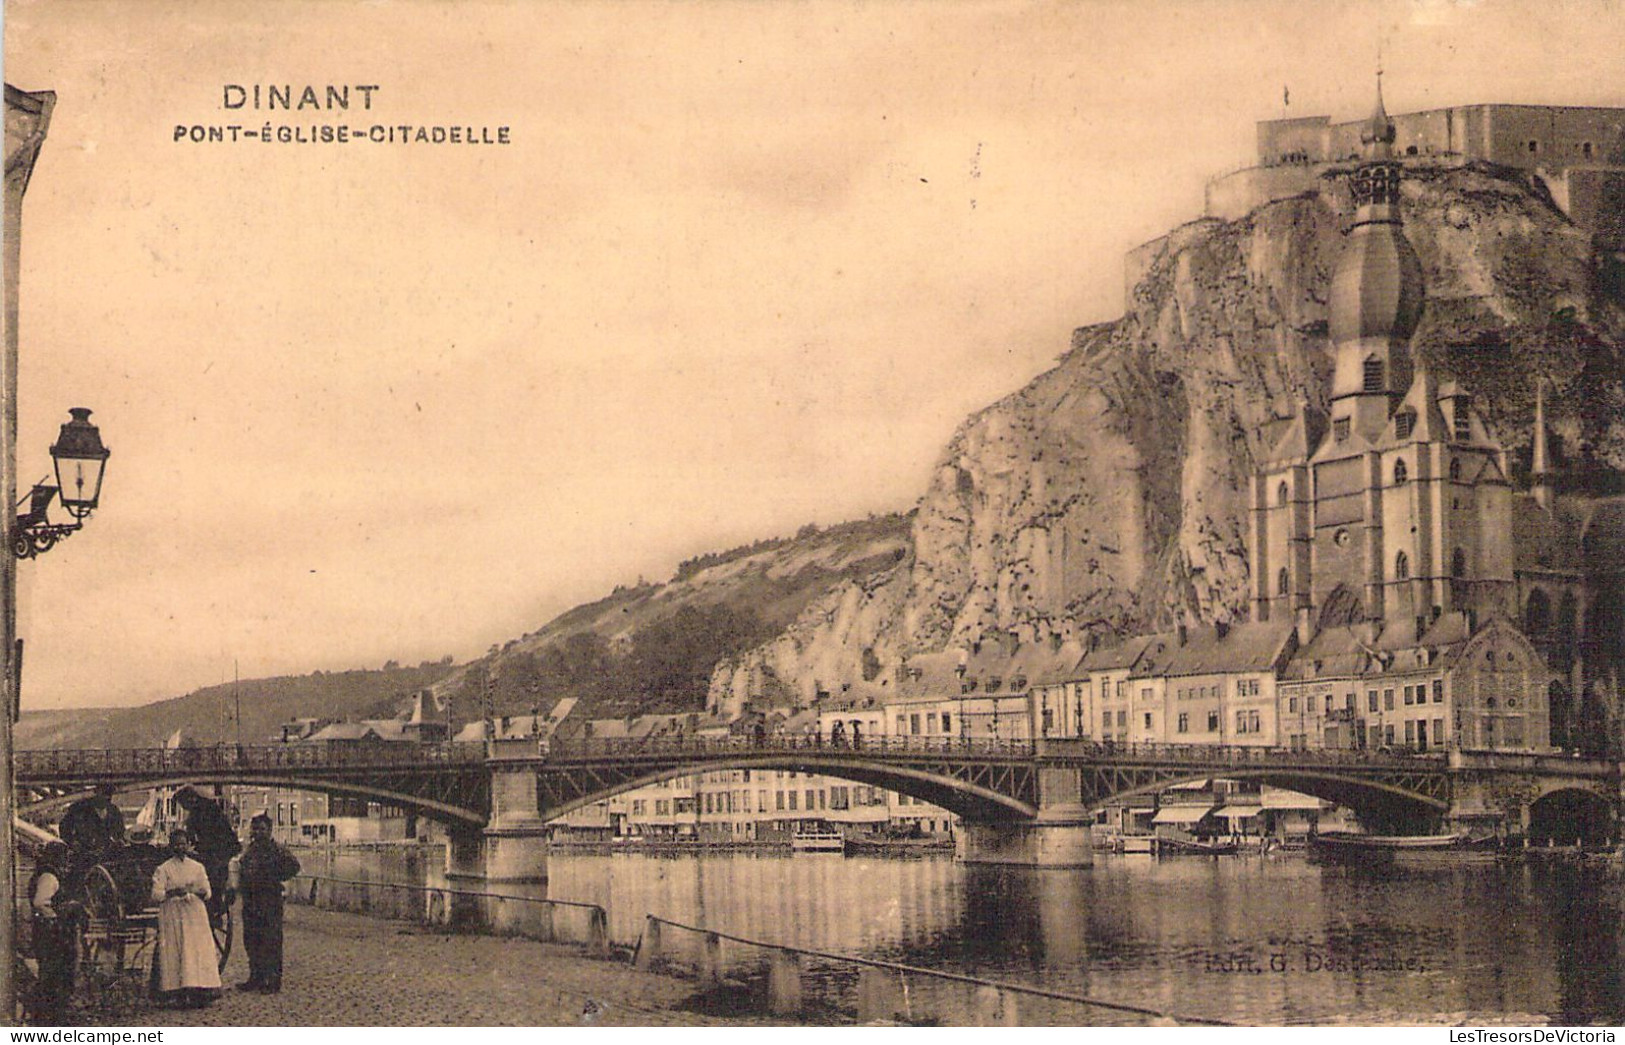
(80, 460)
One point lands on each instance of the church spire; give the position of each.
(1377, 291)
(1540, 468)
(1378, 133)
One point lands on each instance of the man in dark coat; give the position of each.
(216, 841)
(54, 931)
(93, 827)
(261, 870)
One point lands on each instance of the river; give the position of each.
(1277, 939)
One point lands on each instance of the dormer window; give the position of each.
(1404, 424)
(1372, 374)
(1340, 430)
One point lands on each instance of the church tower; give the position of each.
(1377, 293)
(1399, 510)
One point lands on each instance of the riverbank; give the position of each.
(346, 970)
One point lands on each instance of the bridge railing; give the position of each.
(774, 743)
(94, 762)
(583, 748)
(1231, 754)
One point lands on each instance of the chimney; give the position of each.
(1306, 628)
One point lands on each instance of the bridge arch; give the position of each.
(974, 793)
(444, 812)
(1383, 806)
(1570, 816)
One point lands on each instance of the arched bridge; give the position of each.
(445, 782)
(511, 787)
(981, 779)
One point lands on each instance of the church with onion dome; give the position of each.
(1390, 532)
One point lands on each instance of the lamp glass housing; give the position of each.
(81, 461)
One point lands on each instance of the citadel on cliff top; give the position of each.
(1382, 556)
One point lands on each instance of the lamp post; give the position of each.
(28, 117)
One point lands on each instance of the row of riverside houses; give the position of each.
(1357, 686)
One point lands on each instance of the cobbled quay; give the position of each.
(350, 970)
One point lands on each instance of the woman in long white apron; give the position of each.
(188, 970)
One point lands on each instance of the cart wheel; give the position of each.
(101, 946)
(223, 926)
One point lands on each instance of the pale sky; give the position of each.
(743, 266)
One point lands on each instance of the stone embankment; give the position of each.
(345, 970)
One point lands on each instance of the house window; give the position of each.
(1534, 146)
(1388, 700)
(1292, 706)
(1404, 422)
(902, 723)
(1283, 582)
(1388, 734)
(1348, 701)
(1148, 720)
(1585, 149)
(914, 724)
(1438, 731)
(1121, 684)
(778, 800)
(1409, 697)
(947, 723)
(1401, 474)
(1253, 722)
(1106, 721)
(1455, 470)
(1309, 703)
(1438, 691)
(1372, 374)
(1410, 733)
(1049, 719)
(1184, 722)
(1340, 429)
(1402, 566)
(1122, 720)
(1282, 495)
(1212, 721)
(792, 801)
(1371, 700)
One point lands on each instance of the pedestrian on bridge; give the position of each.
(257, 877)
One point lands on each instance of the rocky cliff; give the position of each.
(1110, 494)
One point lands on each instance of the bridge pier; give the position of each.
(1061, 836)
(513, 846)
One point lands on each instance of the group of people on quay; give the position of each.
(192, 881)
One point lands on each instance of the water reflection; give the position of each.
(1250, 940)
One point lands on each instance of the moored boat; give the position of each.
(818, 842)
(1354, 842)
